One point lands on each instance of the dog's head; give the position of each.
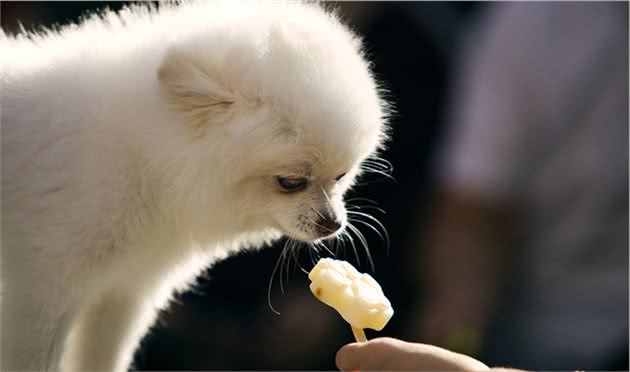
(288, 108)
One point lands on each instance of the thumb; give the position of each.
(347, 358)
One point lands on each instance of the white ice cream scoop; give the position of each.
(357, 297)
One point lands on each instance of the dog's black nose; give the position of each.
(328, 225)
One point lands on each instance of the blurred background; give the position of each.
(507, 213)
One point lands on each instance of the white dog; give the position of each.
(140, 147)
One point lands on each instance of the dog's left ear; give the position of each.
(195, 90)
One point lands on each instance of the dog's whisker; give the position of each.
(296, 257)
(366, 248)
(377, 165)
(365, 223)
(318, 213)
(293, 251)
(338, 243)
(316, 224)
(325, 194)
(384, 174)
(310, 253)
(369, 216)
(292, 254)
(361, 199)
(284, 263)
(346, 239)
(373, 167)
(379, 162)
(361, 238)
(273, 273)
(354, 248)
(359, 207)
(288, 261)
(326, 248)
(375, 220)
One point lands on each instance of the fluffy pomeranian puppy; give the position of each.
(139, 147)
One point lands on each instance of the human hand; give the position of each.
(390, 354)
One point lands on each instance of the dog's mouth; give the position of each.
(330, 235)
(312, 232)
(321, 236)
(327, 234)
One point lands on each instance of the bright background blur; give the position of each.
(226, 322)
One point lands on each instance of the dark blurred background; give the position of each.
(507, 215)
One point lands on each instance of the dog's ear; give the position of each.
(195, 90)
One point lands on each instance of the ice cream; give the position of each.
(357, 297)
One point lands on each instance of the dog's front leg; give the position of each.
(107, 333)
(33, 330)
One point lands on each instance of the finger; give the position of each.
(347, 358)
(367, 355)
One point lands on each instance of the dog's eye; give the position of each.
(339, 177)
(292, 184)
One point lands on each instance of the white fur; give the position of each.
(140, 147)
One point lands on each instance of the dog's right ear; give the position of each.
(195, 90)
